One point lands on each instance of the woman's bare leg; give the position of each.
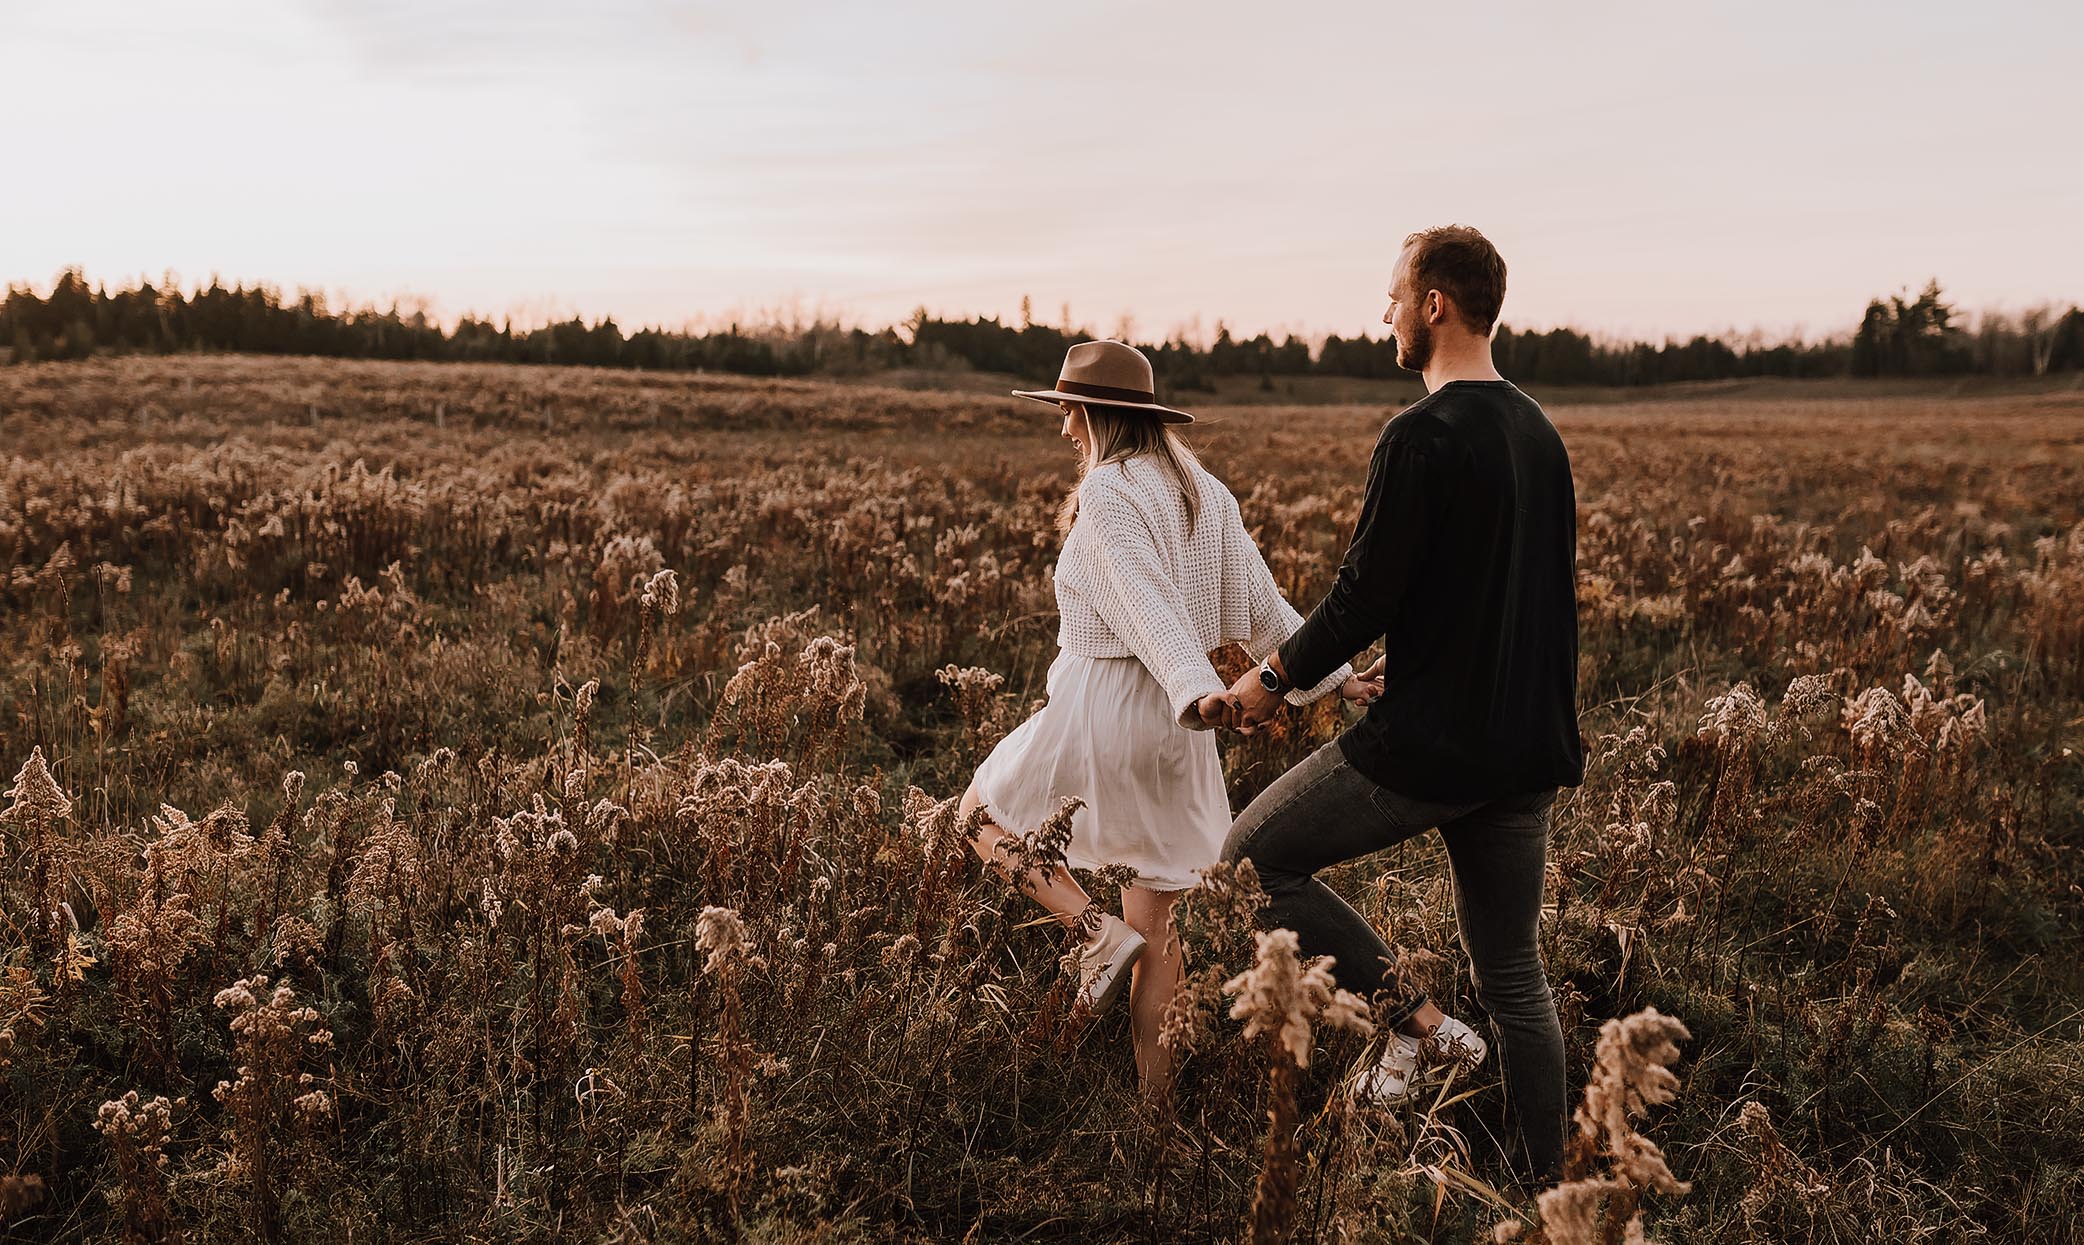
(1056, 890)
(1156, 979)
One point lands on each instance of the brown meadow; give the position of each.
(490, 803)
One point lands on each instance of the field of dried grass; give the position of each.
(503, 804)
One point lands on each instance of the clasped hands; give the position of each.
(1248, 705)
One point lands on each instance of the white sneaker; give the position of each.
(1104, 963)
(1388, 1083)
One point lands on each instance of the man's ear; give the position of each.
(1436, 307)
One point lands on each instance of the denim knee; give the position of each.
(1512, 986)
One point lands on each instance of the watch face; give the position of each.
(1269, 680)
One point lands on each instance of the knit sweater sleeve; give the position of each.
(1274, 620)
(1141, 602)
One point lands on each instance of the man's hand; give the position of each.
(1373, 673)
(1217, 709)
(1256, 705)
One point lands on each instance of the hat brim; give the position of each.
(1165, 414)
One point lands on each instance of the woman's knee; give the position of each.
(988, 836)
(1149, 912)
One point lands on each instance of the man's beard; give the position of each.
(1413, 355)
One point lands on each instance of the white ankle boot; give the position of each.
(1104, 963)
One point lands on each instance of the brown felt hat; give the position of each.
(1107, 373)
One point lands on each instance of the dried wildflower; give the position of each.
(662, 593)
(1222, 912)
(137, 1131)
(604, 818)
(1573, 1212)
(1877, 721)
(1777, 1171)
(388, 869)
(271, 1035)
(582, 713)
(898, 956)
(829, 666)
(36, 795)
(1188, 1024)
(1944, 723)
(980, 699)
(296, 941)
(1734, 718)
(1631, 1072)
(1279, 995)
(1807, 696)
(147, 1122)
(1040, 850)
(313, 1107)
(805, 704)
(720, 933)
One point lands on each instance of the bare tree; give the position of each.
(2041, 326)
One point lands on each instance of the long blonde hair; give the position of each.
(1118, 435)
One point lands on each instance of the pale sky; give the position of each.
(1646, 169)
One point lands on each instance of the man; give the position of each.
(1463, 563)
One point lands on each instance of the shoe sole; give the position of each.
(1131, 952)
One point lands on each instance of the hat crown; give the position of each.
(1110, 374)
(1113, 364)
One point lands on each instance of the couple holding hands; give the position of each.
(1463, 563)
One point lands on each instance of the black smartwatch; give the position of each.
(1269, 680)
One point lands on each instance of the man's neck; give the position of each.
(1466, 358)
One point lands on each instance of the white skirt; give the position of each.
(1153, 790)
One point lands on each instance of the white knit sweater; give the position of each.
(1132, 582)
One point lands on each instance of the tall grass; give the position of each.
(496, 803)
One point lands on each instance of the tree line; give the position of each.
(1901, 335)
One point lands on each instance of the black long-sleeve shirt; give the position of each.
(1464, 562)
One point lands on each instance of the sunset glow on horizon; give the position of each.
(1654, 171)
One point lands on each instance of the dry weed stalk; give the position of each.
(980, 698)
(273, 1102)
(37, 805)
(804, 705)
(1280, 997)
(1779, 1175)
(728, 954)
(1631, 1072)
(137, 1132)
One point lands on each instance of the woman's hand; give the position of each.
(1218, 709)
(1363, 688)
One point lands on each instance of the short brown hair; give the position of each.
(1462, 264)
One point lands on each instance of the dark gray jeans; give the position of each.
(1324, 812)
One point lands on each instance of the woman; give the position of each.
(1157, 570)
